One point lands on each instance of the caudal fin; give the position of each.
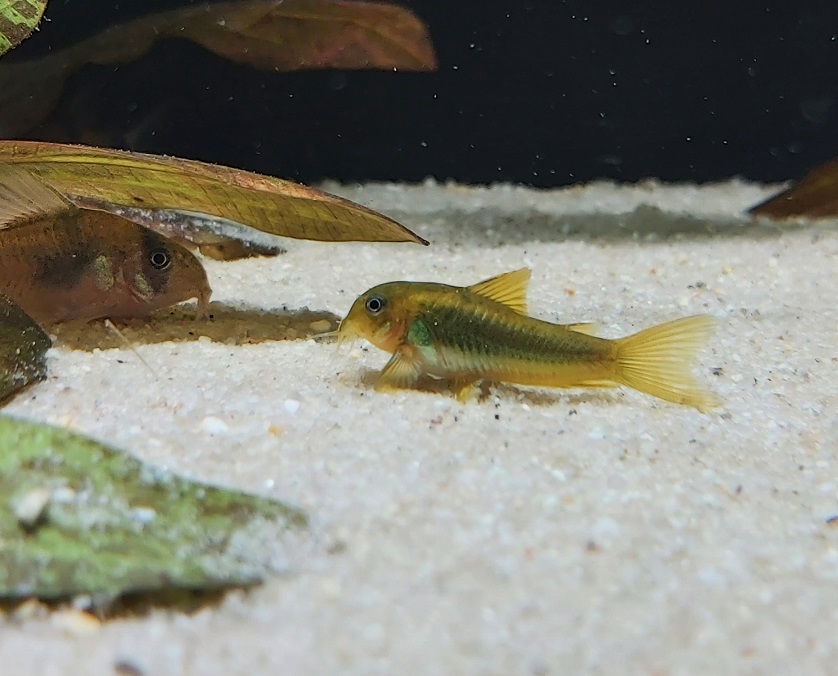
(658, 361)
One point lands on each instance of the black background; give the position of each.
(543, 93)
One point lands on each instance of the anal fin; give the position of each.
(463, 388)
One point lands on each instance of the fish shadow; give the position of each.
(507, 393)
(226, 324)
(537, 397)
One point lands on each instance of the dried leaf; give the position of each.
(815, 196)
(78, 517)
(18, 18)
(281, 35)
(101, 178)
(23, 347)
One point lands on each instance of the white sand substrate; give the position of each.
(533, 532)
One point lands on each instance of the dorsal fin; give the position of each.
(24, 197)
(509, 289)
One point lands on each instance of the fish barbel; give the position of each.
(59, 262)
(483, 332)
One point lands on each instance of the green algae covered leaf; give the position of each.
(18, 18)
(23, 347)
(77, 517)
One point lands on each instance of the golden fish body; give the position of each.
(62, 263)
(482, 332)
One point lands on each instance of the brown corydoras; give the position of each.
(62, 263)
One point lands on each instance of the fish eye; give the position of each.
(374, 304)
(160, 259)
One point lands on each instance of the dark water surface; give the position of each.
(543, 93)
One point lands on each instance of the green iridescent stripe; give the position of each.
(483, 338)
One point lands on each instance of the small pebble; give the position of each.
(29, 610)
(125, 666)
(77, 623)
(64, 495)
(213, 425)
(29, 507)
(291, 406)
(320, 326)
(144, 514)
(331, 587)
(605, 528)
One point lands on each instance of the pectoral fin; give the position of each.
(402, 371)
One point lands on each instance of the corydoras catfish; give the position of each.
(483, 332)
(59, 262)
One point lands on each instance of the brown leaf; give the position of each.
(815, 196)
(101, 177)
(281, 35)
(297, 34)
